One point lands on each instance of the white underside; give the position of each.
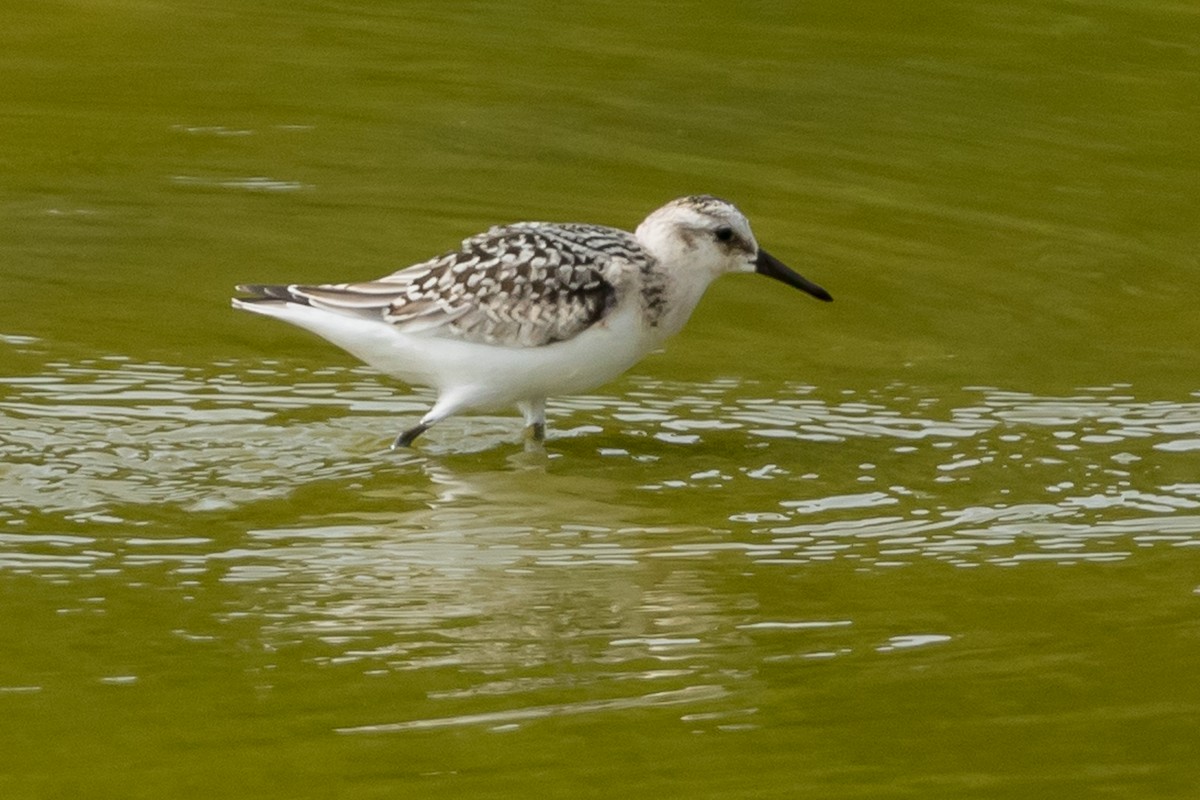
(470, 376)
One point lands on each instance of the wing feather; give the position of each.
(528, 284)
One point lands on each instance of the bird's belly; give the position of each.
(495, 377)
(483, 376)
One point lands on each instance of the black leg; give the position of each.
(406, 439)
(534, 412)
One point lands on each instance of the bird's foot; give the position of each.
(535, 432)
(409, 436)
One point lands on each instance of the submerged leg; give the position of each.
(534, 412)
(447, 405)
(406, 439)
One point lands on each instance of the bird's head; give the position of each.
(708, 237)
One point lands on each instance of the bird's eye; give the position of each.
(724, 233)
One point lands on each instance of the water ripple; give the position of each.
(688, 695)
(975, 476)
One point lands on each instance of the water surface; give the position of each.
(935, 539)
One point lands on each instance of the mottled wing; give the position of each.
(527, 284)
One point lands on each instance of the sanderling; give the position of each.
(530, 310)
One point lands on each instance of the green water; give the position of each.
(937, 539)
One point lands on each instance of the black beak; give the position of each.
(772, 267)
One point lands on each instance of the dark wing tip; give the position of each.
(263, 292)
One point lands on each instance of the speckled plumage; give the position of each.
(523, 285)
(530, 309)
